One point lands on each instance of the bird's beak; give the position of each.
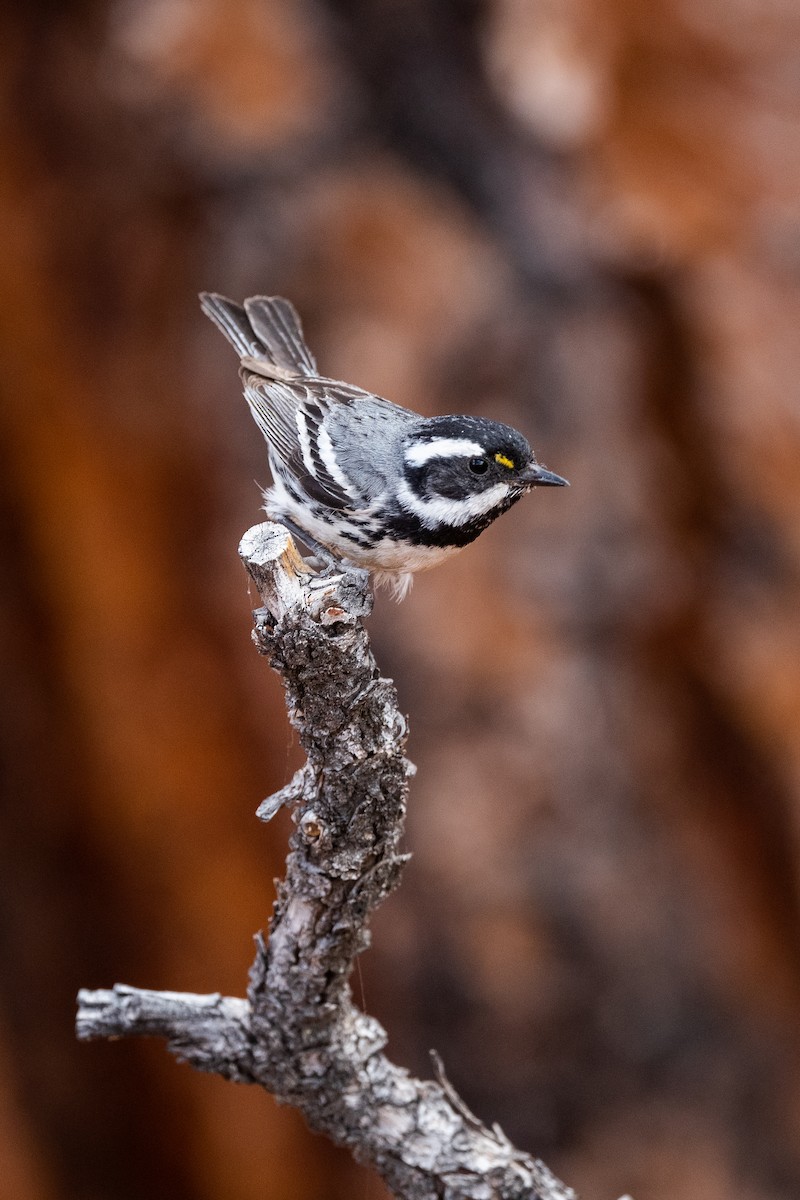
(536, 476)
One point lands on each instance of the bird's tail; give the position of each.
(266, 329)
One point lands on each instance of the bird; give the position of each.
(362, 482)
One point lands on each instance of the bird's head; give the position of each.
(465, 471)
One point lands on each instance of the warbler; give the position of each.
(359, 480)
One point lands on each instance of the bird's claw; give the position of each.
(329, 566)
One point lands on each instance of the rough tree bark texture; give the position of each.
(298, 1034)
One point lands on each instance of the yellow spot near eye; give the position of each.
(504, 462)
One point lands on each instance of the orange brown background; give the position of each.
(582, 218)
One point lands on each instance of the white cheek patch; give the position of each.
(440, 510)
(422, 452)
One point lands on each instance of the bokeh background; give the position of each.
(582, 217)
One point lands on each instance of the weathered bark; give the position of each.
(298, 1034)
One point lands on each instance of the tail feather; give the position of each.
(277, 324)
(266, 328)
(232, 320)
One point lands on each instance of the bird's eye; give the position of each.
(478, 465)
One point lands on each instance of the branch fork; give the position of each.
(298, 1033)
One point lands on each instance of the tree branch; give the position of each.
(298, 1034)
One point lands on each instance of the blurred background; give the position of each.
(581, 217)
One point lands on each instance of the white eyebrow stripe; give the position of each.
(441, 447)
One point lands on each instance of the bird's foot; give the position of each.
(326, 565)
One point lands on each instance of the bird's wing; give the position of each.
(319, 429)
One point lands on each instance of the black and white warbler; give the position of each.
(357, 478)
